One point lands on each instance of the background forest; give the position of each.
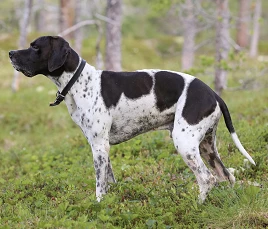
(47, 178)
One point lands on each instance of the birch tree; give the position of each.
(255, 30)
(222, 44)
(78, 35)
(189, 32)
(113, 35)
(40, 16)
(242, 35)
(67, 15)
(23, 37)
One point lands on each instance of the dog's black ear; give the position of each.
(60, 50)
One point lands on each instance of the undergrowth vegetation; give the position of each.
(47, 178)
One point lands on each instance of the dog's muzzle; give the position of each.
(13, 61)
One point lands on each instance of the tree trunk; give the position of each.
(189, 32)
(242, 36)
(23, 36)
(67, 15)
(113, 35)
(256, 30)
(40, 16)
(78, 35)
(99, 59)
(222, 44)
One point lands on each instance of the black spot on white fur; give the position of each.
(132, 84)
(200, 102)
(168, 89)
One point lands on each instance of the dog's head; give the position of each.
(47, 55)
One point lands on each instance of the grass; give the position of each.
(46, 171)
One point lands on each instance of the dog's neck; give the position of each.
(62, 75)
(62, 80)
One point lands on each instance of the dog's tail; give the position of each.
(230, 127)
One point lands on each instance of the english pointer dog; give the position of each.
(113, 107)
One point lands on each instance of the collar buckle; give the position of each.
(59, 99)
(61, 95)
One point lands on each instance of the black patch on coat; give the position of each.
(168, 89)
(200, 102)
(132, 84)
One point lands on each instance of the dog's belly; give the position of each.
(123, 131)
(132, 118)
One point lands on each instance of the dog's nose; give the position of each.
(11, 53)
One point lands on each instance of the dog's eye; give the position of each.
(35, 47)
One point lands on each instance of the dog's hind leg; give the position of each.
(210, 153)
(187, 144)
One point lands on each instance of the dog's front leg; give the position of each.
(103, 168)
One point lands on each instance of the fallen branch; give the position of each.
(106, 19)
(77, 26)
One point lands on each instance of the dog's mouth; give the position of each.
(15, 66)
(23, 71)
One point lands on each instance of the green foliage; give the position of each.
(263, 47)
(168, 46)
(8, 21)
(47, 177)
(160, 6)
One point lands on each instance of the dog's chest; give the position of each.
(84, 102)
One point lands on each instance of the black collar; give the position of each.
(61, 95)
